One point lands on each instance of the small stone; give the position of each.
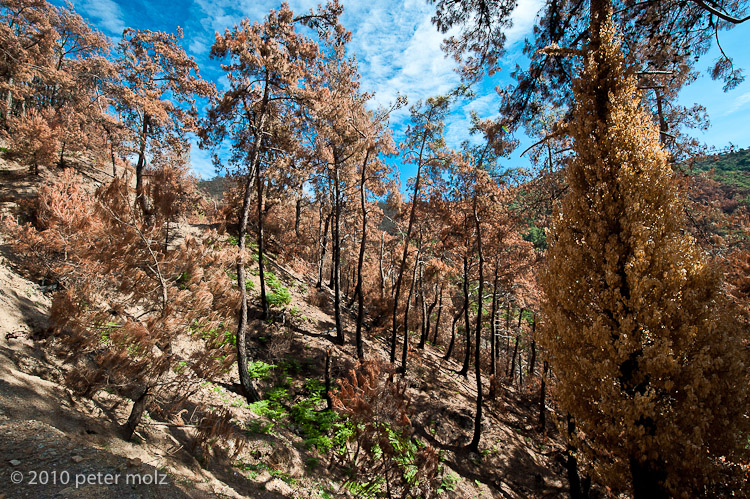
(76, 459)
(15, 462)
(134, 462)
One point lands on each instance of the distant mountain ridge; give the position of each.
(215, 187)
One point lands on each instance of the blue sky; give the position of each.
(398, 50)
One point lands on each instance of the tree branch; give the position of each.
(721, 15)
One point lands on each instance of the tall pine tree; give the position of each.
(649, 363)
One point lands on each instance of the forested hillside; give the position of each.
(305, 325)
(215, 187)
(732, 170)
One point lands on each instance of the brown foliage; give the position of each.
(217, 431)
(647, 357)
(377, 410)
(134, 312)
(35, 138)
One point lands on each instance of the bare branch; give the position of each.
(721, 15)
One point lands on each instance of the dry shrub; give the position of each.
(379, 310)
(531, 387)
(232, 200)
(173, 190)
(495, 387)
(64, 204)
(278, 342)
(379, 451)
(35, 138)
(216, 430)
(738, 282)
(134, 314)
(317, 298)
(61, 218)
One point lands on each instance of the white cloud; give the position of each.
(739, 102)
(201, 162)
(106, 14)
(457, 129)
(395, 43)
(523, 17)
(398, 50)
(218, 15)
(397, 46)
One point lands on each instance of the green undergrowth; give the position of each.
(295, 403)
(279, 295)
(254, 469)
(303, 413)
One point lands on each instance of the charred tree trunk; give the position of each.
(136, 413)
(259, 184)
(542, 399)
(579, 489)
(332, 270)
(599, 11)
(648, 479)
(350, 298)
(323, 247)
(380, 262)
(114, 164)
(402, 267)
(508, 310)
(139, 168)
(319, 235)
(405, 351)
(512, 372)
(327, 380)
(61, 161)
(493, 329)
(515, 349)
(474, 444)
(347, 288)
(297, 215)
(428, 314)
(254, 171)
(663, 127)
(467, 326)
(422, 309)
(436, 337)
(242, 359)
(532, 360)
(361, 261)
(453, 332)
(9, 101)
(337, 254)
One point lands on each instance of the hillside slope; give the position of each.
(270, 455)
